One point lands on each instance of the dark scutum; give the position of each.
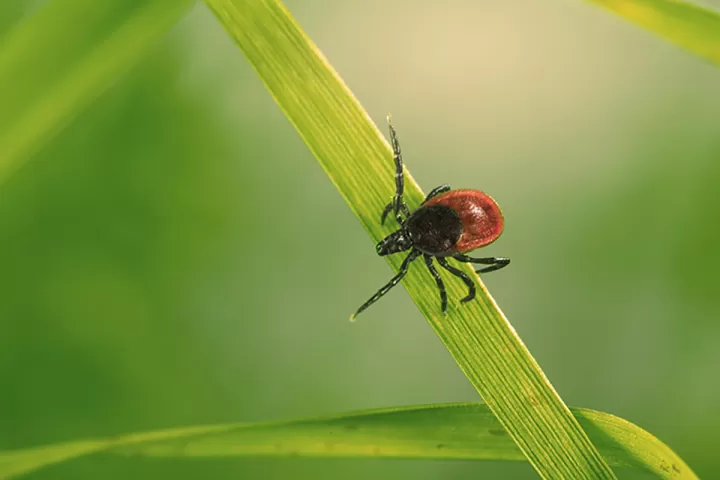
(435, 230)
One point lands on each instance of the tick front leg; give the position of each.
(460, 274)
(398, 205)
(433, 193)
(495, 263)
(394, 281)
(438, 280)
(389, 208)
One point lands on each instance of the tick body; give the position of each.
(448, 224)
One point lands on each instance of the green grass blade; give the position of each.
(58, 61)
(453, 431)
(358, 160)
(693, 27)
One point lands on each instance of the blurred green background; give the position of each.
(176, 256)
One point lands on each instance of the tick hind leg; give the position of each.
(394, 281)
(438, 280)
(397, 205)
(460, 274)
(495, 263)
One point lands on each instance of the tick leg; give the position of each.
(397, 204)
(385, 213)
(437, 191)
(496, 263)
(389, 208)
(433, 193)
(459, 273)
(438, 280)
(394, 281)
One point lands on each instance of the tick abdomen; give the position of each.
(435, 229)
(481, 218)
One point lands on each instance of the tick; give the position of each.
(448, 224)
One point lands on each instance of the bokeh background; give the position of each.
(176, 256)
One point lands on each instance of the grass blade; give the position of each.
(693, 27)
(358, 160)
(452, 431)
(52, 65)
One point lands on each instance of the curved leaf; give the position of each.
(467, 431)
(691, 26)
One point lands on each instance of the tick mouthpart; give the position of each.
(398, 241)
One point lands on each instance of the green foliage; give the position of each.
(358, 160)
(454, 431)
(39, 97)
(78, 64)
(691, 26)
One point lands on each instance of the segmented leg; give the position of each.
(394, 281)
(437, 191)
(399, 177)
(438, 280)
(397, 205)
(433, 193)
(459, 273)
(389, 208)
(496, 263)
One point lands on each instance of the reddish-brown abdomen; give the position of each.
(481, 218)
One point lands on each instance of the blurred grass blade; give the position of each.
(691, 26)
(358, 160)
(63, 57)
(452, 431)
